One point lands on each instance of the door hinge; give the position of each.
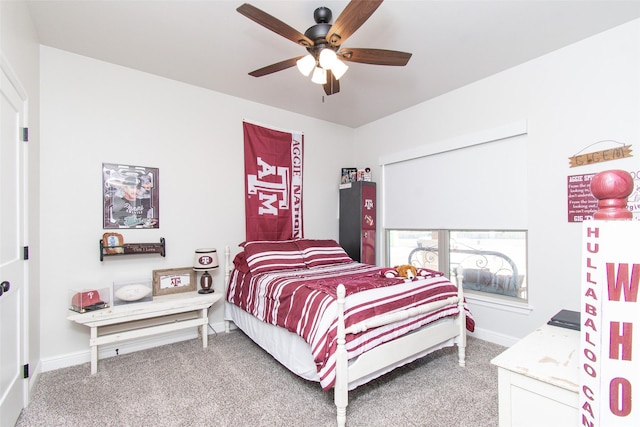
(26, 371)
(25, 134)
(25, 253)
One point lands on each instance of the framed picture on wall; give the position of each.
(130, 196)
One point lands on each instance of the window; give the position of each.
(484, 262)
(464, 187)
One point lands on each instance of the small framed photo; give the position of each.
(113, 243)
(173, 281)
(348, 175)
(364, 174)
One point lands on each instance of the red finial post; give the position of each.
(612, 188)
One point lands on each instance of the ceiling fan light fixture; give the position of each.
(323, 41)
(339, 68)
(319, 76)
(327, 58)
(306, 64)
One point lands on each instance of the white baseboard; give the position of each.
(494, 337)
(125, 347)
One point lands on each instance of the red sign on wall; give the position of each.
(581, 203)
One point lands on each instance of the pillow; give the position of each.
(263, 256)
(133, 292)
(240, 262)
(322, 252)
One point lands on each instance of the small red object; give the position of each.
(612, 188)
(87, 300)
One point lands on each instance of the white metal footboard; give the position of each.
(392, 352)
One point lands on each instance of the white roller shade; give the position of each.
(480, 184)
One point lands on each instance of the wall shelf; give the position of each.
(133, 249)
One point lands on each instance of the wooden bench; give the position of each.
(164, 314)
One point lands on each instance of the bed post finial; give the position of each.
(227, 265)
(612, 189)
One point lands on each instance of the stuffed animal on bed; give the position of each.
(408, 271)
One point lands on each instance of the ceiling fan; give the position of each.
(323, 42)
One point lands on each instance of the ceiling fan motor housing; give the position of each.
(318, 32)
(322, 15)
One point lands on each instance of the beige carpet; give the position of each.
(235, 383)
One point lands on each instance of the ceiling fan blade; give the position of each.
(332, 85)
(375, 56)
(278, 66)
(351, 18)
(274, 24)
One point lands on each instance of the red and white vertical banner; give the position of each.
(610, 324)
(273, 183)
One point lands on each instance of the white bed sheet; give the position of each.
(295, 354)
(286, 347)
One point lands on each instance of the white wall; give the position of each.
(571, 98)
(95, 112)
(19, 48)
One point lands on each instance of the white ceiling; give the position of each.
(208, 44)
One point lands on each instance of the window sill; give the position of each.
(497, 302)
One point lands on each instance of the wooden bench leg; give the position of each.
(203, 328)
(94, 350)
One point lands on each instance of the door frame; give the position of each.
(8, 72)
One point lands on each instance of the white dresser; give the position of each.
(538, 379)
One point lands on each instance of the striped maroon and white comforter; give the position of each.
(304, 302)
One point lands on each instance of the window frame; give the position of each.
(507, 302)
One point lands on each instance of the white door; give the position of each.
(12, 240)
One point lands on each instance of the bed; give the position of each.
(332, 320)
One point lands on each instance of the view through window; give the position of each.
(489, 262)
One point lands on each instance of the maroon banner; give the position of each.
(273, 183)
